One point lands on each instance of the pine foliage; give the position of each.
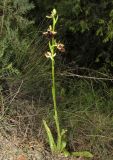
(14, 26)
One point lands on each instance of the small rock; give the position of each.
(21, 157)
(80, 158)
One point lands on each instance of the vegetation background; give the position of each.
(83, 73)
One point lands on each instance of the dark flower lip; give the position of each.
(49, 33)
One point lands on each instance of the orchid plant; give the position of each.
(57, 146)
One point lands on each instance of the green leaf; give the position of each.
(63, 145)
(111, 14)
(101, 21)
(99, 31)
(84, 26)
(63, 132)
(82, 154)
(111, 63)
(66, 153)
(50, 137)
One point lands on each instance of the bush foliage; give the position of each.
(87, 28)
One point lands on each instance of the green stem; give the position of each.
(54, 97)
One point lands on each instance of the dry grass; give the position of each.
(22, 132)
(92, 131)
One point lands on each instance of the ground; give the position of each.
(22, 134)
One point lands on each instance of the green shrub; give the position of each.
(14, 41)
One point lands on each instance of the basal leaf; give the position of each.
(50, 137)
(82, 154)
(63, 145)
